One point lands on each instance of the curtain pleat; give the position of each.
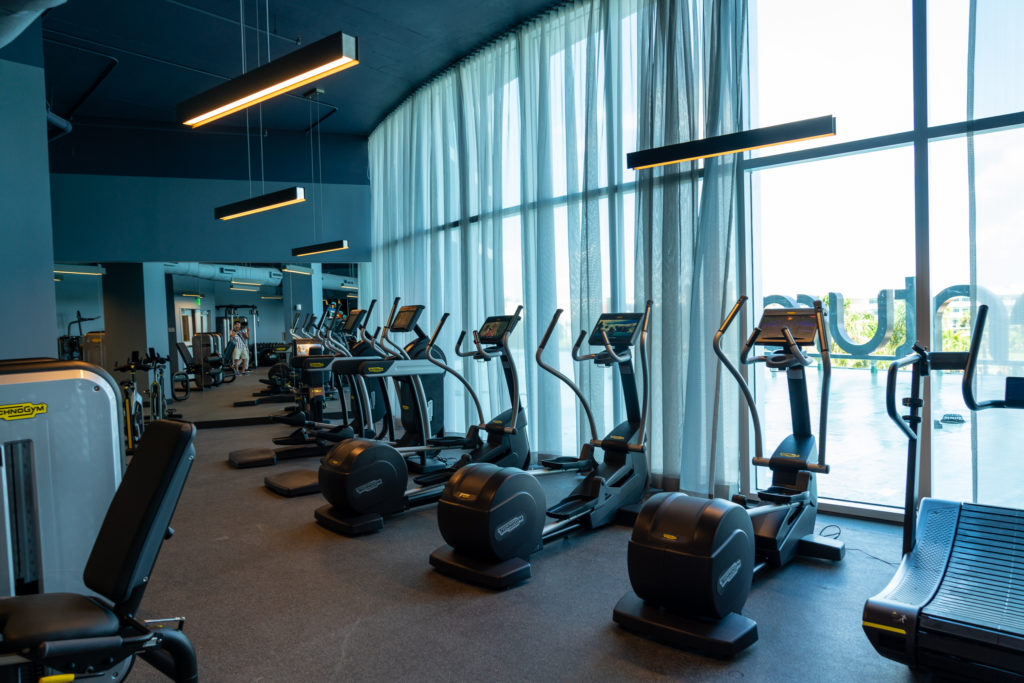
(503, 182)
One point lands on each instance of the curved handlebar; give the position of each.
(437, 330)
(972, 365)
(430, 357)
(794, 348)
(576, 348)
(611, 353)
(547, 333)
(458, 347)
(480, 353)
(559, 375)
(890, 391)
(744, 387)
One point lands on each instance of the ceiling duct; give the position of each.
(264, 277)
(18, 15)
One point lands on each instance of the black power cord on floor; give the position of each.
(835, 531)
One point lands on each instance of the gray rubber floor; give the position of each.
(271, 596)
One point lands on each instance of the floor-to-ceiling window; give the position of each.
(835, 219)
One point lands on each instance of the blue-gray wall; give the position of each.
(26, 254)
(104, 218)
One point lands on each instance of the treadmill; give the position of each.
(956, 604)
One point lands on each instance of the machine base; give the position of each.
(424, 466)
(294, 483)
(821, 548)
(348, 526)
(722, 639)
(498, 575)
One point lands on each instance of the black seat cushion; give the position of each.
(27, 620)
(137, 519)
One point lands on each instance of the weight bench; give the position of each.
(80, 634)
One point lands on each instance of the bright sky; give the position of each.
(848, 224)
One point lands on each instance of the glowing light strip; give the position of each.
(77, 272)
(733, 143)
(323, 248)
(240, 282)
(349, 287)
(264, 202)
(303, 271)
(244, 289)
(327, 56)
(192, 296)
(271, 297)
(273, 91)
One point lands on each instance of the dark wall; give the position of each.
(133, 149)
(103, 218)
(26, 240)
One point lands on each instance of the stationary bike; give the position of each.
(158, 408)
(692, 560)
(131, 401)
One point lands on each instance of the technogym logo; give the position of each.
(728, 575)
(510, 526)
(21, 411)
(369, 486)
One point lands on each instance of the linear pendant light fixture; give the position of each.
(322, 248)
(296, 69)
(297, 270)
(264, 202)
(235, 288)
(78, 270)
(808, 129)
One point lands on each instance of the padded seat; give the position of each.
(52, 616)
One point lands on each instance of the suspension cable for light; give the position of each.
(796, 131)
(296, 69)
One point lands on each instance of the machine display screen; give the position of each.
(355, 317)
(495, 327)
(802, 324)
(406, 318)
(622, 329)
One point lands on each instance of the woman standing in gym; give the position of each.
(240, 356)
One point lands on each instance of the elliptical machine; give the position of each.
(692, 560)
(363, 480)
(493, 518)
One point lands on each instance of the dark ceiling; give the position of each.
(169, 50)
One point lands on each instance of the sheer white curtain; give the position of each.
(693, 85)
(503, 182)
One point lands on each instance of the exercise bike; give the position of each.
(692, 560)
(158, 408)
(131, 401)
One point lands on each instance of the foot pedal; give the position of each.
(252, 457)
(294, 483)
(821, 548)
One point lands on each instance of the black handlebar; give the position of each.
(972, 366)
(890, 389)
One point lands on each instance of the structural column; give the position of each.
(134, 311)
(26, 256)
(302, 294)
